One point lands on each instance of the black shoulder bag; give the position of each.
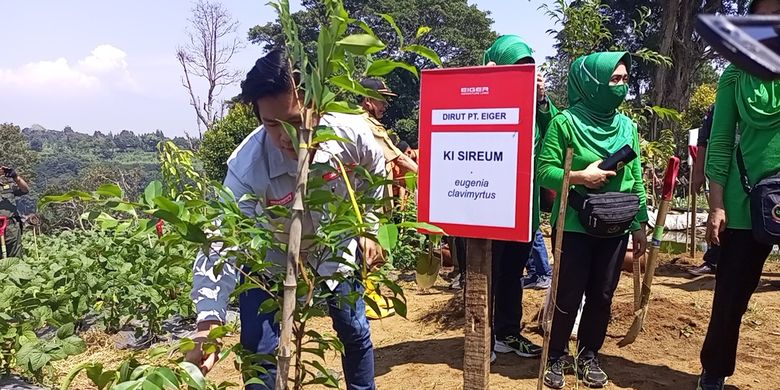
(605, 215)
(764, 204)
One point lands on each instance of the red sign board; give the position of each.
(476, 151)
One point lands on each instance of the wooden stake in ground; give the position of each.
(550, 312)
(693, 219)
(476, 359)
(285, 352)
(670, 179)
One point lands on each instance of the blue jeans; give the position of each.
(260, 335)
(538, 264)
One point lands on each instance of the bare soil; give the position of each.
(425, 351)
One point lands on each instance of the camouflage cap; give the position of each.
(377, 85)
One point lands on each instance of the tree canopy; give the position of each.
(447, 19)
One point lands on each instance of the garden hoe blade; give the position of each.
(670, 178)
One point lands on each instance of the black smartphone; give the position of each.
(619, 159)
(750, 42)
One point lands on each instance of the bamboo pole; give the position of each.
(285, 351)
(693, 221)
(549, 313)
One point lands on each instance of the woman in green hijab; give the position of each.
(753, 106)
(509, 258)
(590, 265)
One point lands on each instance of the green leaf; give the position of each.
(110, 190)
(32, 357)
(194, 234)
(425, 52)
(346, 83)
(399, 306)
(292, 132)
(422, 226)
(422, 30)
(80, 195)
(192, 375)
(66, 330)
(132, 385)
(383, 67)
(169, 378)
(344, 108)
(325, 134)
(388, 236)
(389, 19)
(361, 44)
(73, 345)
(167, 205)
(153, 190)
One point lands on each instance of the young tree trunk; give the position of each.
(285, 352)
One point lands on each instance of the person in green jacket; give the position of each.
(509, 258)
(753, 106)
(594, 129)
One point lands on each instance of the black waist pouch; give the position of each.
(764, 205)
(608, 214)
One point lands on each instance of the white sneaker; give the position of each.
(492, 357)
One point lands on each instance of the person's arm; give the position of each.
(24, 189)
(21, 186)
(551, 161)
(210, 292)
(406, 164)
(720, 151)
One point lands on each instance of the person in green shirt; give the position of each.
(509, 258)
(12, 186)
(594, 129)
(751, 105)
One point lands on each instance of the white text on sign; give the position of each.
(480, 116)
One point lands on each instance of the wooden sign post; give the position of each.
(476, 360)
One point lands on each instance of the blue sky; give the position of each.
(110, 65)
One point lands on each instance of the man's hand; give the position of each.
(592, 177)
(541, 88)
(196, 356)
(716, 224)
(639, 238)
(372, 253)
(9, 172)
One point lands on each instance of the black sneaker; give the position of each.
(591, 374)
(707, 382)
(519, 345)
(555, 373)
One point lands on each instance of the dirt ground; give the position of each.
(425, 351)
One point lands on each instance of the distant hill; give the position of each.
(69, 160)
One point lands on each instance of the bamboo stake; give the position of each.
(549, 313)
(692, 223)
(285, 352)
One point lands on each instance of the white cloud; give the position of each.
(105, 66)
(104, 59)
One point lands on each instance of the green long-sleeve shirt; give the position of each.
(562, 134)
(543, 118)
(760, 151)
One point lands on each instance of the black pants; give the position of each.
(589, 266)
(509, 260)
(739, 271)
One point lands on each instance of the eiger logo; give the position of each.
(465, 91)
(613, 229)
